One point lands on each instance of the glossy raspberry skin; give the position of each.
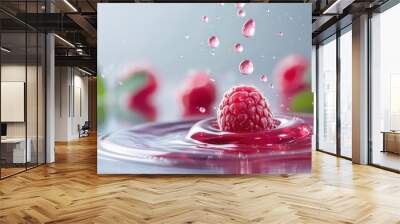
(244, 109)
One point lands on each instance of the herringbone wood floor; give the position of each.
(70, 191)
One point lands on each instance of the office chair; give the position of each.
(84, 130)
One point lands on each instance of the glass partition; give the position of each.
(14, 153)
(32, 96)
(22, 88)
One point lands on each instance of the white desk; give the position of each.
(18, 149)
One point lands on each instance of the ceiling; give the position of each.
(75, 22)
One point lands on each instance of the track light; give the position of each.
(337, 7)
(70, 5)
(64, 40)
(5, 50)
(84, 71)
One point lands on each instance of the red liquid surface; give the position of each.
(198, 146)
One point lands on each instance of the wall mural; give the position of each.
(218, 88)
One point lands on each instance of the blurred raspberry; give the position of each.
(244, 109)
(198, 94)
(291, 73)
(136, 89)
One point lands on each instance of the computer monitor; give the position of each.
(3, 129)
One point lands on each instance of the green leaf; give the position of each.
(302, 102)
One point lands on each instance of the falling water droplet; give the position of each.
(268, 11)
(271, 85)
(187, 37)
(205, 19)
(246, 67)
(264, 78)
(238, 48)
(239, 5)
(212, 80)
(202, 110)
(213, 41)
(249, 28)
(280, 34)
(241, 13)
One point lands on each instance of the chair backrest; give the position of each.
(86, 124)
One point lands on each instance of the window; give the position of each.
(385, 89)
(327, 95)
(346, 92)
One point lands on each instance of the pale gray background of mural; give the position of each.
(154, 34)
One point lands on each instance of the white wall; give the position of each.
(70, 83)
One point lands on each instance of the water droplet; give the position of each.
(187, 37)
(238, 48)
(271, 85)
(181, 56)
(121, 83)
(273, 57)
(291, 18)
(268, 11)
(221, 4)
(212, 53)
(212, 80)
(249, 28)
(264, 78)
(213, 42)
(205, 19)
(241, 13)
(239, 5)
(280, 34)
(202, 109)
(246, 67)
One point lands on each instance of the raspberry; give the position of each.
(137, 88)
(244, 109)
(291, 73)
(198, 94)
